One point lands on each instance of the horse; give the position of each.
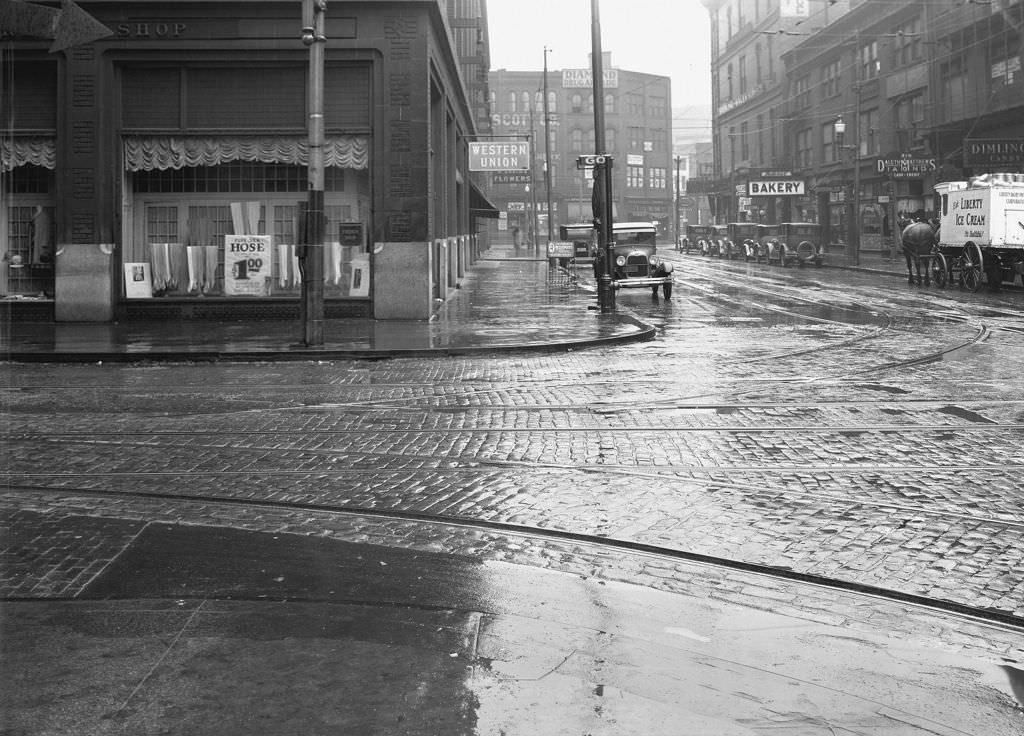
(918, 238)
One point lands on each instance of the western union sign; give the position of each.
(775, 187)
(504, 156)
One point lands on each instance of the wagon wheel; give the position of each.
(805, 251)
(939, 269)
(971, 261)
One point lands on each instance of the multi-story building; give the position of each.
(130, 163)
(638, 133)
(867, 107)
(749, 39)
(468, 21)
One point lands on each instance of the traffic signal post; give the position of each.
(602, 163)
(311, 306)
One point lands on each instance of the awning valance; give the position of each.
(16, 152)
(157, 153)
(479, 205)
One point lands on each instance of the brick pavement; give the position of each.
(793, 445)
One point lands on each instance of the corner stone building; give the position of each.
(129, 163)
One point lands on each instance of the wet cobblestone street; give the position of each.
(860, 431)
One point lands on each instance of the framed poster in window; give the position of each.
(248, 265)
(138, 281)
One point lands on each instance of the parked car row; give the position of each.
(787, 243)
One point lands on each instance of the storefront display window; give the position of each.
(28, 231)
(230, 229)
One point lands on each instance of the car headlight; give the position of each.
(655, 261)
(620, 261)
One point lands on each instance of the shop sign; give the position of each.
(520, 120)
(156, 29)
(990, 152)
(510, 177)
(634, 159)
(247, 265)
(741, 100)
(517, 207)
(775, 187)
(584, 78)
(905, 167)
(503, 156)
(794, 9)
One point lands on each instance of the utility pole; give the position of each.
(602, 200)
(547, 146)
(534, 235)
(311, 307)
(679, 160)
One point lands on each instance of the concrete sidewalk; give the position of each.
(505, 302)
(203, 629)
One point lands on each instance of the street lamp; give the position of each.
(839, 126)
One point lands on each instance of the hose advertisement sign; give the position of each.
(247, 265)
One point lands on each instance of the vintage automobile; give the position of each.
(742, 240)
(685, 238)
(582, 237)
(698, 237)
(800, 243)
(767, 242)
(636, 264)
(711, 240)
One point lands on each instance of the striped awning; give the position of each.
(158, 153)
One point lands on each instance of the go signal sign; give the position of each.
(591, 160)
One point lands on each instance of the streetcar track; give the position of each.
(982, 332)
(489, 466)
(818, 428)
(592, 540)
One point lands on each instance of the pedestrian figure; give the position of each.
(917, 238)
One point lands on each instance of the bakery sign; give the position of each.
(774, 188)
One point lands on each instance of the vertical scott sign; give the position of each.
(499, 156)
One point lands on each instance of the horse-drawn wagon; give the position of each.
(981, 231)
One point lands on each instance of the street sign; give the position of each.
(584, 161)
(503, 156)
(561, 249)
